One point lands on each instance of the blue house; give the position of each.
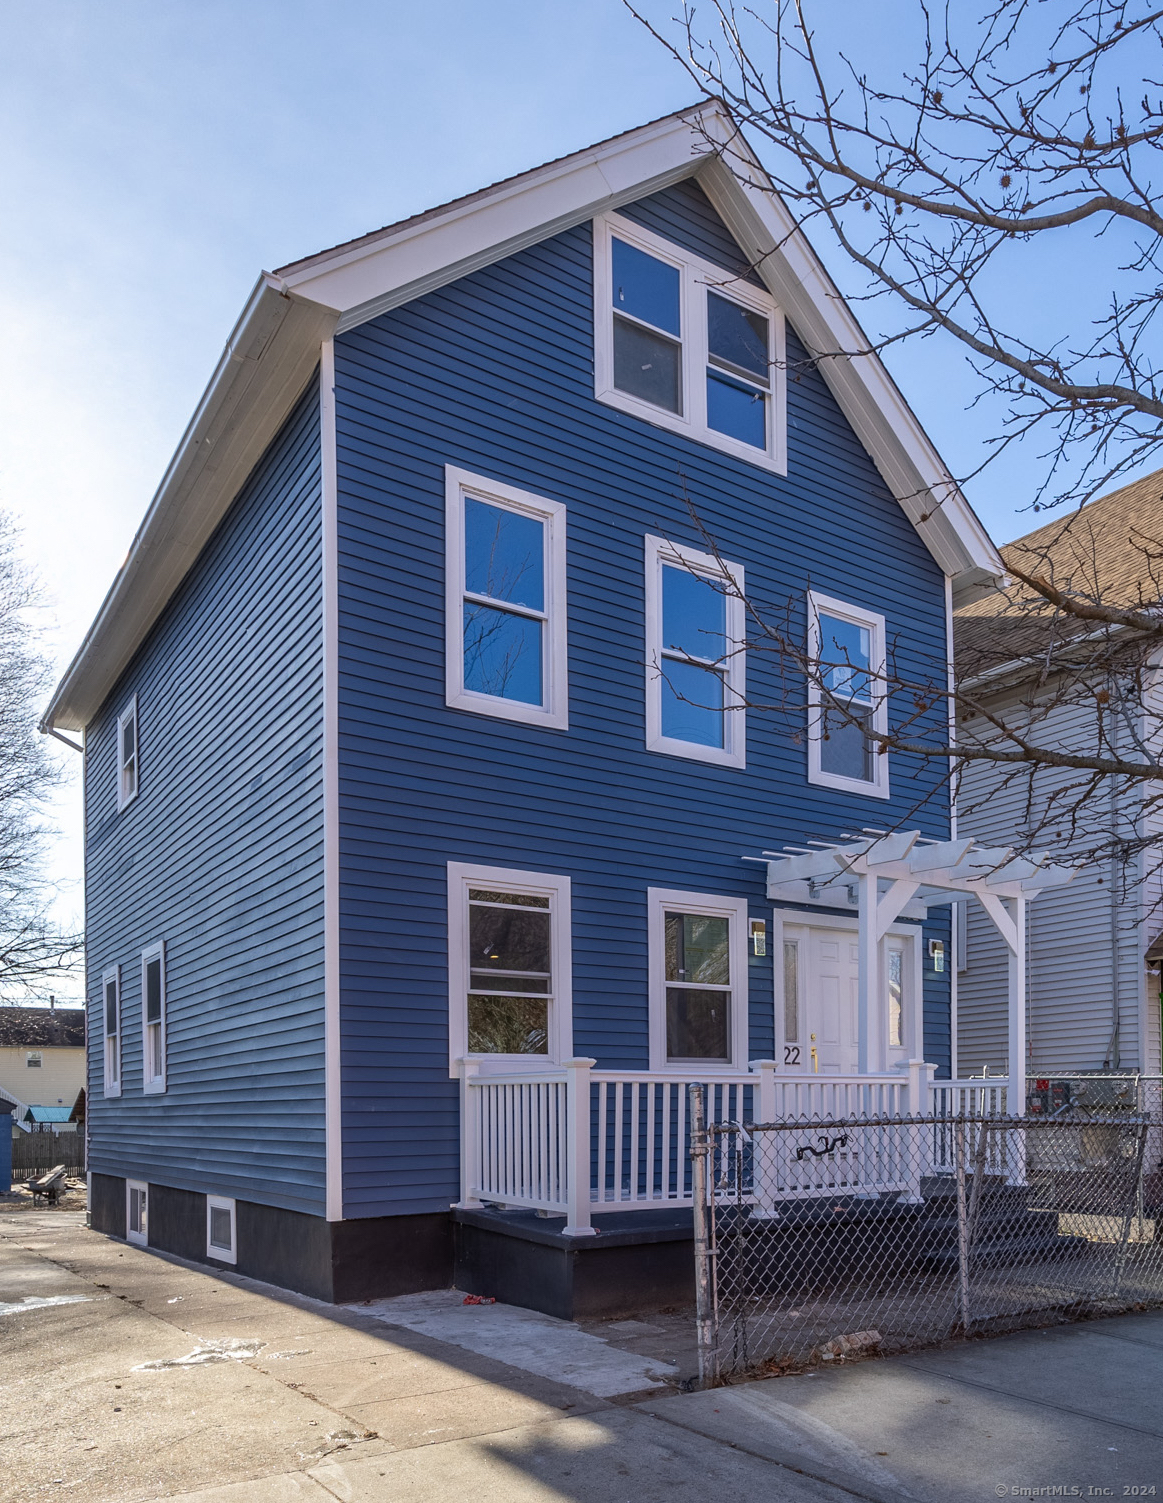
(430, 793)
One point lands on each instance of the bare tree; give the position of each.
(993, 139)
(33, 949)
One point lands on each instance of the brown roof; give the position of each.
(42, 1027)
(1109, 551)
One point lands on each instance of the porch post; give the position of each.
(577, 1147)
(470, 1146)
(1016, 1104)
(764, 1174)
(868, 980)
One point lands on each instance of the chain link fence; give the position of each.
(977, 1225)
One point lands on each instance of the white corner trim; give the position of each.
(553, 713)
(461, 876)
(696, 275)
(733, 753)
(329, 562)
(658, 900)
(879, 787)
(155, 1085)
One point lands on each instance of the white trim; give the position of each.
(154, 1085)
(141, 1238)
(658, 900)
(332, 1048)
(553, 712)
(660, 552)
(111, 1078)
(878, 786)
(220, 1254)
(126, 796)
(696, 275)
(463, 875)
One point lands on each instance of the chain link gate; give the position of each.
(976, 1225)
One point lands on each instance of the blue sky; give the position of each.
(156, 154)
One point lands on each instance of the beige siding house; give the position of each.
(42, 1055)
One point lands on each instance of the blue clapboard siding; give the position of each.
(220, 855)
(495, 373)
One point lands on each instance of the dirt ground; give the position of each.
(20, 1198)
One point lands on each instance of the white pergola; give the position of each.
(903, 875)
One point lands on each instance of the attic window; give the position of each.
(127, 754)
(34, 1059)
(687, 346)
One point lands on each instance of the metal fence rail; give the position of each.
(980, 1225)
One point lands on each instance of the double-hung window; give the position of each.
(111, 1005)
(127, 754)
(847, 697)
(153, 1019)
(505, 609)
(508, 965)
(695, 660)
(698, 980)
(686, 345)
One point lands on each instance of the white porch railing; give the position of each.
(572, 1139)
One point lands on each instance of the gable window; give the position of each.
(698, 980)
(153, 1019)
(220, 1229)
(508, 965)
(505, 607)
(684, 344)
(33, 1060)
(695, 661)
(846, 697)
(127, 754)
(111, 1003)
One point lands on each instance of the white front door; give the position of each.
(820, 1024)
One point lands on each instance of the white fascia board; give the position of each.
(758, 218)
(265, 366)
(405, 263)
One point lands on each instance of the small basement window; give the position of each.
(221, 1218)
(137, 1212)
(127, 754)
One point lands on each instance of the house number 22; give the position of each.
(791, 1054)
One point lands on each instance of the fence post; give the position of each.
(962, 1224)
(704, 1277)
(577, 1148)
(470, 1135)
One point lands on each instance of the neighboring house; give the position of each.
(49, 1119)
(410, 761)
(42, 1056)
(1093, 987)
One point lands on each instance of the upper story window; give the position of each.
(34, 1059)
(111, 1003)
(846, 697)
(508, 964)
(505, 607)
(685, 345)
(698, 980)
(153, 1019)
(127, 754)
(695, 660)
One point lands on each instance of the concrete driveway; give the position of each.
(125, 1375)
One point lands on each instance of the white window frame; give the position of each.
(125, 793)
(697, 275)
(553, 713)
(222, 1203)
(658, 901)
(154, 1085)
(111, 1057)
(141, 1238)
(878, 787)
(461, 877)
(660, 553)
(34, 1059)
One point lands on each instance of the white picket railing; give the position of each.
(569, 1139)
